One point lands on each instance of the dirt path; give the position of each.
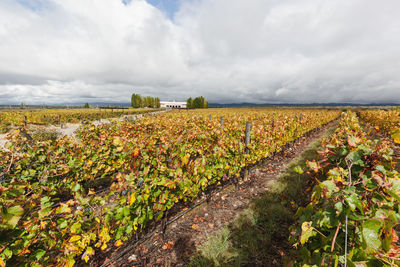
(183, 236)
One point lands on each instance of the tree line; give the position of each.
(198, 102)
(139, 101)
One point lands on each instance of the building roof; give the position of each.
(172, 103)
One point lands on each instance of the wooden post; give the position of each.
(210, 117)
(59, 119)
(247, 134)
(301, 116)
(25, 121)
(247, 142)
(222, 121)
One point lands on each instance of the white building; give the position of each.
(166, 104)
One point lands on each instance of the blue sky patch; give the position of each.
(169, 7)
(35, 5)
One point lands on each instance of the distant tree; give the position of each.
(149, 102)
(133, 100)
(140, 100)
(202, 102)
(157, 102)
(136, 101)
(86, 105)
(199, 102)
(189, 103)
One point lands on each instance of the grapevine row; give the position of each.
(386, 120)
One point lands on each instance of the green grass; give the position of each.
(259, 235)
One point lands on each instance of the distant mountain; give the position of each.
(70, 105)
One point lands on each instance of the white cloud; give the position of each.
(228, 51)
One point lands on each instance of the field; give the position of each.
(63, 201)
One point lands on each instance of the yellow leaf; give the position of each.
(70, 262)
(117, 141)
(104, 246)
(86, 258)
(89, 251)
(136, 152)
(195, 226)
(132, 199)
(396, 137)
(74, 238)
(2, 264)
(185, 159)
(118, 243)
(63, 209)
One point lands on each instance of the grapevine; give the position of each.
(357, 189)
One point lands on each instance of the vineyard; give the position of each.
(63, 200)
(58, 116)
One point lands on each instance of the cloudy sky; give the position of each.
(262, 51)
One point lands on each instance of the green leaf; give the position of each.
(16, 210)
(75, 228)
(63, 224)
(39, 254)
(381, 169)
(355, 157)
(354, 203)
(298, 170)
(76, 187)
(12, 215)
(307, 231)
(329, 187)
(339, 206)
(371, 235)
(8, 253)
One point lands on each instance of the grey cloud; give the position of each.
(228, 51)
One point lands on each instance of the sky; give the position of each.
(229, 51)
